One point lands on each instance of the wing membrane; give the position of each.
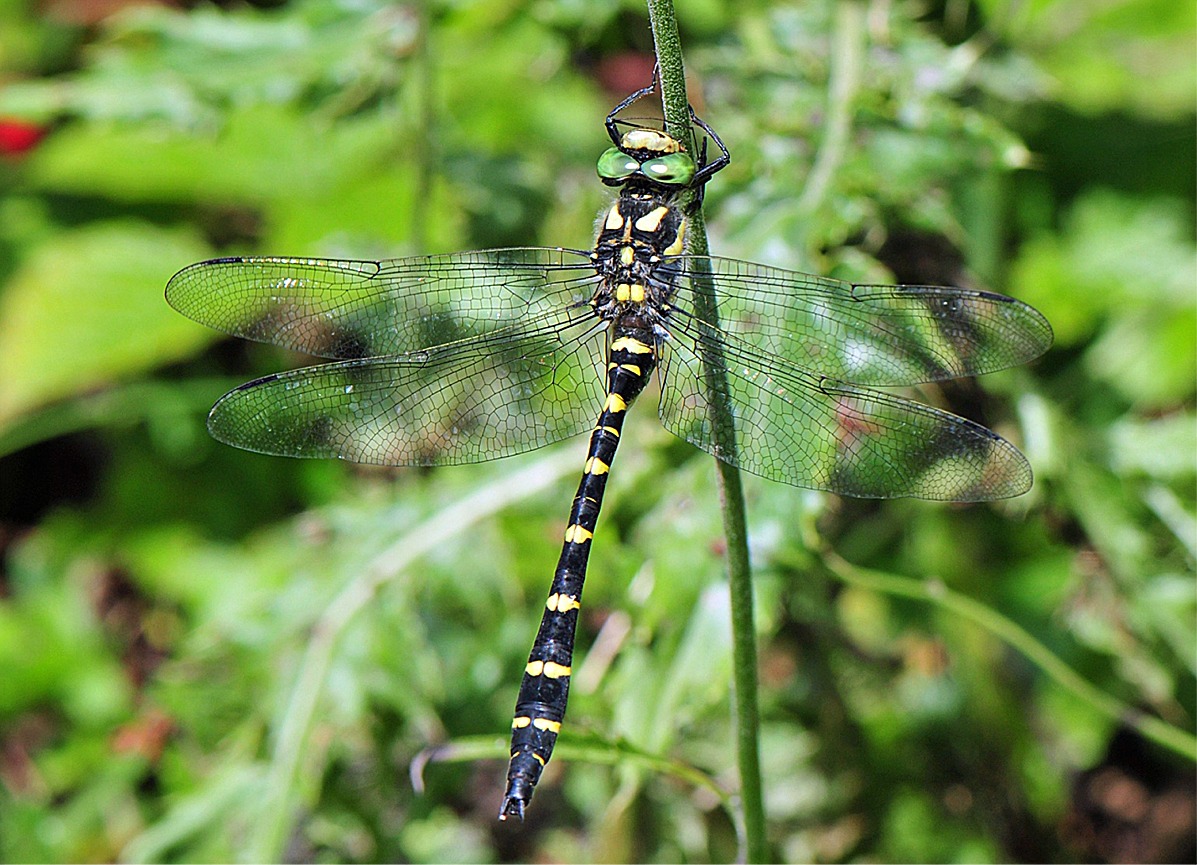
(873, 335)
(355, 309)
(469, 401)
(812, 432)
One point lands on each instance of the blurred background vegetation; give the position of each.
(209, 655)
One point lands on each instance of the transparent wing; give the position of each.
(873, 335)
(812, 432)
(357, 309)
(510, 391)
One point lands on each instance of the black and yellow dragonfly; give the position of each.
(473, 356)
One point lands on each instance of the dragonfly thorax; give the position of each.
(636, 239)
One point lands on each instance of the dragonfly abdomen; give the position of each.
(540, 706)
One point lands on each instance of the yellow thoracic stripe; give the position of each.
(679, 244)
(651, 221)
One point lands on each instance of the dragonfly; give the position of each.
(472, 356)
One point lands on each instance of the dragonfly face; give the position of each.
(474, 356)
(649, 157)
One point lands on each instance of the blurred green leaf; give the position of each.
(1134, 54)
(185, 68)
(86, 309)
(259, 154)
(1124, 270)
(1158, 447)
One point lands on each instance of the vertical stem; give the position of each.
(677, 120)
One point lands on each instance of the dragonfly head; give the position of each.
(647, 155)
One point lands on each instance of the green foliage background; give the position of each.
(212, 655)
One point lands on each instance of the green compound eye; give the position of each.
(614, 164)
(673, 168)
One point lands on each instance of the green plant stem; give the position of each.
(934, 592)
(599, 751)
(731, 495)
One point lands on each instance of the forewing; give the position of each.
(812, 432)
(873, 335)
(357, 309)
(469, 401)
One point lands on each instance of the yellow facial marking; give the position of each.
(520, 722)
(614, 219)
(630, 344)
(615, 403)
(649, 139)
(577, 535)
(557, 671)
(546, 724)
(626, 256)
(651, 221)
(595, 466)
